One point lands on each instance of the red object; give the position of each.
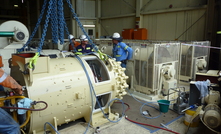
(213, 79)
(75, 45)
(26, 55)
(11, 94)
(140, 34)
(170, 6)
(1, 63)
(128, 107)
(152, 126)
(127, 33)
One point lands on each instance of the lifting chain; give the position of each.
(61, 21)
(54, 23)
(56, 15)
(36, 27)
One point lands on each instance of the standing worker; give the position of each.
(121, 51)
(73, 42)
(7, 123)
(84, 47)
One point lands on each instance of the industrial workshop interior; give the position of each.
(149, 67)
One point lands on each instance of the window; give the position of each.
(90, 32)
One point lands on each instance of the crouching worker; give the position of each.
(7, 123)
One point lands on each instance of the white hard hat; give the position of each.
(71, 37)
(83, 38)
(116, 35)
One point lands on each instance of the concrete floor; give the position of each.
(126, 127)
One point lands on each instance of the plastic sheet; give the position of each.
(24, 103)
(203, 87)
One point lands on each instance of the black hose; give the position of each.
(35, 102)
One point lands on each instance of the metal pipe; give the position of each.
(173, 10)
(6, 34)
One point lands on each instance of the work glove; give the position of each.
(78, 53)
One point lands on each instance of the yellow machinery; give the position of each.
(73, 87)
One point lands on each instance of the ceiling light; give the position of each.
(89, 25)
(15, 5)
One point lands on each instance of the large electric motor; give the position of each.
(72, 86)
(212, 112)
(212, 116)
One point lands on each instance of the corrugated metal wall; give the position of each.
(109, 26)
(117, 15)
(85, 8)
(165, 20)
(184, 25)
(159, 5)
(113, 8)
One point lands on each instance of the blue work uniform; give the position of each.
(1, 88)
(88, 48)
(8, 124)
(122, 53)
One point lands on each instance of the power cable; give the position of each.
(151, 126)
(35, 102)
(51, 127)
(147, 117)
(92, 91)
(144, 105)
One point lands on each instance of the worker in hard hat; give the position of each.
(73, 43)
(7, 123)
(84, 47)
(121, 51)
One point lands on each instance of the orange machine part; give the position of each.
(127, 33)
(1, 62)
(140, 34)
